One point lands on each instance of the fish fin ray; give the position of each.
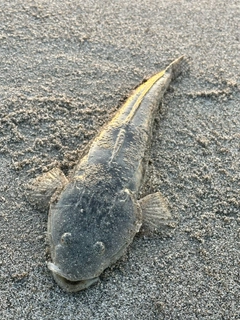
(40, 191)
(155, 212)
(179, 66)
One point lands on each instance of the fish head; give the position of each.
(89, 229)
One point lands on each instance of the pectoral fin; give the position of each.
(155, 212)
(40, 191)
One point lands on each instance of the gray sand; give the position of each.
(65, 68)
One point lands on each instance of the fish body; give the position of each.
(95, 214)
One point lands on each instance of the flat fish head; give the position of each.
(89, 228)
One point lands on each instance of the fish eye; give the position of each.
(123, 195)
(99, 247)
(66, 238)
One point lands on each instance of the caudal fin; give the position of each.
(178, 66)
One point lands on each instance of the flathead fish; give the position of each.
(95, 213)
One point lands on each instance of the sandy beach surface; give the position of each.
(65, 68)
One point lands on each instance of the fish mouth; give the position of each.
(68, 284)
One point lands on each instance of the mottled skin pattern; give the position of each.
(96, 215)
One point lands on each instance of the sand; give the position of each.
(66, 67)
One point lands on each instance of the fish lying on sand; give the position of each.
(95, 213)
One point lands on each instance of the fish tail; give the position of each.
(179, 66)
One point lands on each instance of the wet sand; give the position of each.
(65, 69)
